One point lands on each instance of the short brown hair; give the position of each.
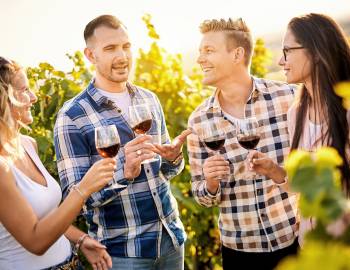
(237, 34)
(103, 20)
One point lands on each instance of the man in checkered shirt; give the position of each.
(258, 218)
(136, 217)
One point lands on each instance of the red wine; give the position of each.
(143, 127)
(215, 145)
(109, 151)
(249, 142)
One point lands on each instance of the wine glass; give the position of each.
(212, 135)
(248, 133)
(140, 117)
(107, 143)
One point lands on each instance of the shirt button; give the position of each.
(263, 216)
(147, 170)
(225, 117)
(154, 193)
(260, 192)
(119, 110)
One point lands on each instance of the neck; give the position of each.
(237, 90)
(109, 86)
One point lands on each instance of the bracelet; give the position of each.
(177, 160)
(79, 243)
(285, 181)
(81, 193)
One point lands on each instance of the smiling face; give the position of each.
(109, 50)
(297, 66)
(24, 96)
(216, 61)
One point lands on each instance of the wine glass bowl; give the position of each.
(107, 141)
(212, 135)
(140, 118)
(248, 133)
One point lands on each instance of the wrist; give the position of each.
(278, 175)
(80, 191)
(80, 242)
(212, 188)
(128, 174)
(177, 160)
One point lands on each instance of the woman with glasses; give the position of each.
(35, 231)
(316, 54)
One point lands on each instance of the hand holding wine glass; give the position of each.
(140, 118)
(107, 144)
(248, 136)
(215, 168)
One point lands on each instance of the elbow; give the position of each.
(36, 248)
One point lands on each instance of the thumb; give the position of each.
(96, 244)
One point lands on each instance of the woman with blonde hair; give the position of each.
(35, 231)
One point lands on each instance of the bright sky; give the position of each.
(45, 30)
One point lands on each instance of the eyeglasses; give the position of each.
(286, 50)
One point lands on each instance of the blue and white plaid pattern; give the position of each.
(128, 220)
(255, 214)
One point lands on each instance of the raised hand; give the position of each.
(172, 151)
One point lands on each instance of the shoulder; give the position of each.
(75, 106)
(5, 175)
(200, 111)
(30, 140)
(273, 86)
(145, 93)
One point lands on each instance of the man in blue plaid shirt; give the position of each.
(136, 217)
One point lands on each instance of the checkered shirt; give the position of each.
(255, 214)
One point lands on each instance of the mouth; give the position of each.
(207, 69)
(121, 68)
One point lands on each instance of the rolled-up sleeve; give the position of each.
(197, 155)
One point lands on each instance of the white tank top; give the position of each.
(43, 199)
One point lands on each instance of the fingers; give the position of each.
(179, 140)
(108, 260)
(139, 140)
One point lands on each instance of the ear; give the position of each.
(90, 55)
(239, 54)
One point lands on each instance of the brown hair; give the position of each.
(329, 53)
(236, 31)
(103, 20)
(9, 132)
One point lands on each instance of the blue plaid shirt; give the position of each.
(129, 220)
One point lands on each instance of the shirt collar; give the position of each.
(103, 100)
(259, 87)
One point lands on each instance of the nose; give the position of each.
(121, 55)
(200, 59)
(282, 62)
(33, 97)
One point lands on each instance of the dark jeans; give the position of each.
(237, 260)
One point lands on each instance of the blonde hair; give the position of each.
(9, 131)
(237, 34)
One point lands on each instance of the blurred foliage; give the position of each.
(316, 177)
(343, 90)
(179, 95)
